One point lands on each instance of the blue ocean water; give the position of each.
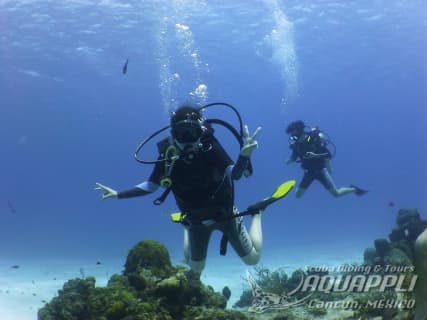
(70, 117)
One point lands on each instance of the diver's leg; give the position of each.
(326, 180)
(299, 192)
(255, 232)
(329, 166)
(252, 258)
(197, 266)
(186, 245)
(247, 245)
(420, 262)
(255, 235)
(338, 192)
(307, 179)
(196, 241)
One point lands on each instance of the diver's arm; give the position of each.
(145, 187)
(137, 191)
(249, 145)
(131, 193)
(141, 189)
(220, 157)
(236, 171)
(293, 157)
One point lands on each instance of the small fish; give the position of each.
(406, 232)
(11, 206)
(391, 204)
(98, 263)
(125, 67)
(15, 266)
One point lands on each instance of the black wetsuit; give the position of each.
(311, 150)
(205, 192)
(201, 182)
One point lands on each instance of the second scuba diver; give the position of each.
(199, 172)
(310, 148)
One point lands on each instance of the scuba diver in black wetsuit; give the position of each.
(310, 148)
(195, 167)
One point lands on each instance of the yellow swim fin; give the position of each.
(280, 192)
(283, 189)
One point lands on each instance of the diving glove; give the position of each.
(249, 142)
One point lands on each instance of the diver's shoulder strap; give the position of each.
(162, 145)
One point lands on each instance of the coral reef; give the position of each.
(149, 288)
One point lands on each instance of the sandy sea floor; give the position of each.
(25, 286)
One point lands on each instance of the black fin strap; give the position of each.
(163, 197)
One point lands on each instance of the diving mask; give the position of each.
(187, 131)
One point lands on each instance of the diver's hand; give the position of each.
(108, 192)
(249, 142)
